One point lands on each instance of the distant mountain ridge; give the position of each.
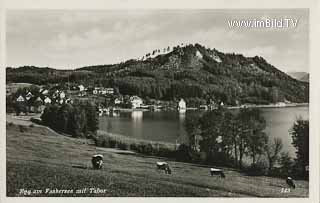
(302, 76)
(194, 72)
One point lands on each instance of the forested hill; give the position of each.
(192, 72)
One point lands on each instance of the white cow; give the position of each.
(164, 166)
(97, 161)
(216, 171)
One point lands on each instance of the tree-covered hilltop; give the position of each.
(193, 72)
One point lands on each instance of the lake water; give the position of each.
(169, 126)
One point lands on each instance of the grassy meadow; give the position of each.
(39, 159)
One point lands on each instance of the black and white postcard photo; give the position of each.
(158, 103)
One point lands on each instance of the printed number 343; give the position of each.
(285, 190)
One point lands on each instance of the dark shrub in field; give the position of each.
(257, 169)
(183, 153)
(22, 128)
(141, 148)
(123, 146)
(148, 149)
(133, 147)
(164, 151)
(111, 143)
(99, 141)
(36, 121)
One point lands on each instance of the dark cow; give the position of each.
(164, 166)
(216, 171)
(97, 161)
(290, 182)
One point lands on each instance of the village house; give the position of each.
(44, 91)
(82, 94)
(96, 90)
(103, 91)
(117, 101)
(47, 100)
(136, 102)
(81, 88)
(29, 96)
(20, 99)
(62, 95)
(39, 100)
(110, 90)
(69, 101)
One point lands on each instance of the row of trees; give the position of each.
(238, 139)
(78, 120)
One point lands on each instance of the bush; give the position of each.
(257, 169)
(123, 146)
(165, 151)
(99, 141)
(183, 153)
(22, 128)
(133, 147)
(149, 149)
(36, 121)
(111, 143)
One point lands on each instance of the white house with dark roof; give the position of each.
(45, 92)
(39, 100)
(81, 88)
(20, 99)
(62, 95)
(47, 100)
(136, 102)
(182, 105)
(29, 96)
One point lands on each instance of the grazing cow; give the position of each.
(216, 171)
(290, 182)
(164, 166)
(97, 161)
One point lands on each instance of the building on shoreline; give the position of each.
(136, 102)
(182, 105)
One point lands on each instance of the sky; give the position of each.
(69, 39)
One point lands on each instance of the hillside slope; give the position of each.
(193, 72)
(38, 159)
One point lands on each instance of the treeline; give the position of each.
(221, 137)
(78, 120)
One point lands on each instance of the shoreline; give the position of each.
(290, 105)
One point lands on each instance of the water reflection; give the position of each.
(137, 123)
(136, 116)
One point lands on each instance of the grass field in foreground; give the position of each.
(38, 158)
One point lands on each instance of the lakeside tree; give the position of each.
(286, 164)
(252, 139)
(228, 136)
(273, 150)
(213, 136)
(77, 120)
(300, 140)
(192, 127)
